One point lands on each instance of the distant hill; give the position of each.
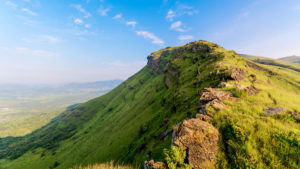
(274, 62)
(196, 105)
(24, 108)
(292, 59)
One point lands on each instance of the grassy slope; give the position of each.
(24, 109)
(293, 59)
(127, 123)
(275, 62)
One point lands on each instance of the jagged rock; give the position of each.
(216, 104)
(275, 110)
(296, 116)
(153, 165)
(210, 94)
(237, 73)
(153, 62)
(252, 90)
(224, 84)
(200, 139)
(203, 117)
(239, 86)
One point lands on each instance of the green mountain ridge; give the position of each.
(293, 59)
(132, 123)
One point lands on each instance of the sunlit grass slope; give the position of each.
(128, 124)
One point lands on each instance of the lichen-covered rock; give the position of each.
(237, 73)
(210, 94)
(200, 139)
(275, 110)
(153, 165)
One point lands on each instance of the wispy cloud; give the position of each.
(131, 23)
(82, 10)
(185, 37)
(180, 10)
(9, 3)
(103, 11)
(177, 26)
(28, 11)
(170, 15)
(78, 21)
(42, 39)
(151, 36)
(118, 16)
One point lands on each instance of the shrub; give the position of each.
(175, 158)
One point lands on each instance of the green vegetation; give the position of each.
(268, 61)
(110, 165)
(24, 109)
(175, 158)
(129, 124)
(292, 59)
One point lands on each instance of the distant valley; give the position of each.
(24, 108)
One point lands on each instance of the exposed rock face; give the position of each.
(200, 139)
(211, 94)
(153, 165)
(275, 110)
(252, 90)
(237, 73)
(154, 63)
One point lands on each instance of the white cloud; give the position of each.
(151, 36)
(171, 14)
(13, 5)
(180, 10)
(78, 21)
(185, 37)
(177, 26)
(131, 23)
(103, 11)
(118, 16)
(28, 11)
(82, 10)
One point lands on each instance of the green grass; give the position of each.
(126, 125)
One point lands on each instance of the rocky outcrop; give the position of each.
(153, 62)
(153, 165)
(237, 73)
(275, 110)
(200, 140)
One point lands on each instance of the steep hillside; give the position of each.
(135, 121)
(292, 59)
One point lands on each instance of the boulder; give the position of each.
(275, 110)
(153, 165)
(210, 94)
(237, 73)
(200, 140)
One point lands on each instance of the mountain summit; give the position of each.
(199, 102)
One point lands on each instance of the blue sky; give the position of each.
(61, 41)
